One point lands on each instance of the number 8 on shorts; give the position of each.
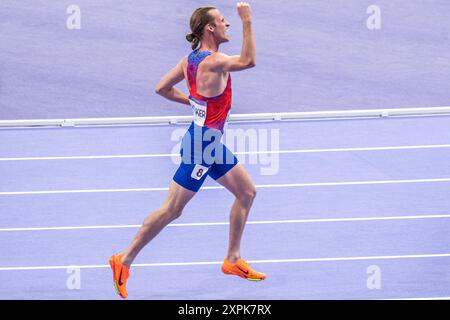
(198, 172)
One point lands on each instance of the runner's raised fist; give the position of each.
(244, 11)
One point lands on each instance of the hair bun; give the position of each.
(191, 37)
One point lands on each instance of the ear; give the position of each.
(210, 27)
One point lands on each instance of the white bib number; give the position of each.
(199, 112)
(198, 172)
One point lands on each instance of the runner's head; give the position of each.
(207, 22)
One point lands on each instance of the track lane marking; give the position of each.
(205, 224)
(159, 155)
(202, 263)
(283, 185)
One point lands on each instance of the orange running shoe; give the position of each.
(120, 274)
(242, 269)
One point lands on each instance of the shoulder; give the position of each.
(218, 56)
(183, 61)
(216, 59)
(182, 64)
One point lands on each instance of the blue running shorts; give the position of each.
(202, 154)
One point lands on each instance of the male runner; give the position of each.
(207, 72)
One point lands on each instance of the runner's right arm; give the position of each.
(247, 58)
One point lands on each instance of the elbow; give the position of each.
(159, 90)
(247, 63)
(250, 63)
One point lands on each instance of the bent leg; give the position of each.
(238, 182)
(173, 205)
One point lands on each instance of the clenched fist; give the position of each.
(244, 11)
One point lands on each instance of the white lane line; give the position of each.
(207, 224)
(283, 185)
(156, 155)
(424, 298)
(177, 264)
(130, 156)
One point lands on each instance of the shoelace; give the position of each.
(245, 263)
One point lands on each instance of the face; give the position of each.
(220, 26)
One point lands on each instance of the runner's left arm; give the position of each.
(166, 86)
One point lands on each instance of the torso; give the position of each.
(210, 92)
(209, 83)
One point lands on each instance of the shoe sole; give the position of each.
(241, 275)
(112, 264)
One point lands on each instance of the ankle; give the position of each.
(233, 257)
(126, 261)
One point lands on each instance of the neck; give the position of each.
(209, 44)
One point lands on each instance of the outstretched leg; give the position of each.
(173, 205)
(171, 209)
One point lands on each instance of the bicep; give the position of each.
(171, 78)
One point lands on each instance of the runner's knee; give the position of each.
(172, 211)
(248, 195)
